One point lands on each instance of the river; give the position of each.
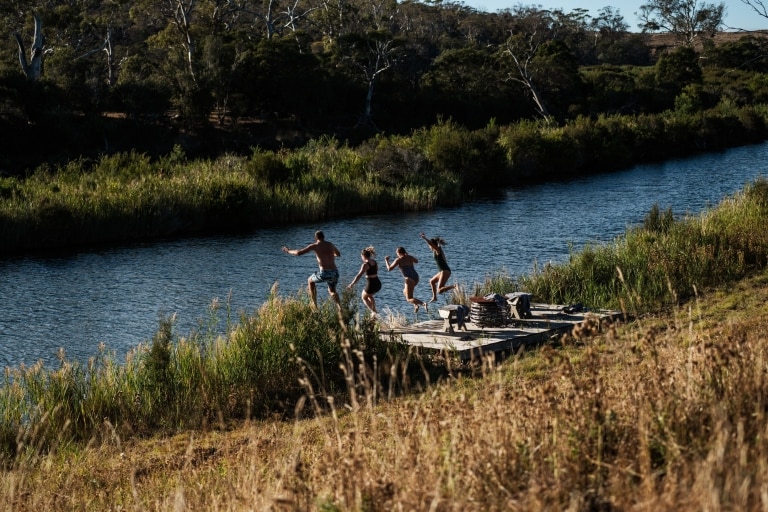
(116, 296)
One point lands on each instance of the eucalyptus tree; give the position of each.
(174, 28)
(371, 47)
(536, 58)
(369, 55)
(32, 67)
(176, 33)
(464, 84)
(72, 45)
(35, 39)
(685, 19)
(614, 44)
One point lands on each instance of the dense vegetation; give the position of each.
(133, 120)
(216, 77)
(129, 196)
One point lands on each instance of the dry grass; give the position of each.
(665, 413)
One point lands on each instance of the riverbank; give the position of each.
(130, 197)
(271, 361)
(639, 415)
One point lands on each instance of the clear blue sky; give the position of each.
(738, 14)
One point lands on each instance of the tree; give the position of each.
(758, 6)
(33, 68)
(463, 84)
(686, 19)
(370, 55)
(677, 69)
(540, 60)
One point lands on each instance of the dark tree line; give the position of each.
(78, 76)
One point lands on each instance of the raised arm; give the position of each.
(394, 263)
(431, 245)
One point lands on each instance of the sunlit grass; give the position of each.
(638, 416)
(651, 268)
(129, 196)
(663, 412)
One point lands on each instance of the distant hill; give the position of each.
(661, 42)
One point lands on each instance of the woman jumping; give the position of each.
(405, 261)
(369, 269)
(439, 280)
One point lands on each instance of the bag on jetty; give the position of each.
(519, 304)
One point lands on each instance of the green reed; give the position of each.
(130, 196)
(665, 260)
(221, 371)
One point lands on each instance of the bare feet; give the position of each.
(426, 306)
(415, 308)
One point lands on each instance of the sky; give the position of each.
(738, 14)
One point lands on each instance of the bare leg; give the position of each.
(334, 296)
(369, 302)
(409, 286)
(433, 284)
(312, 289)
(443, 278)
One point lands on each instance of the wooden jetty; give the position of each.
(545, 322)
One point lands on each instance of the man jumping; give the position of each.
(326, 254)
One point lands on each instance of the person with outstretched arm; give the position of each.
(326, 254)
(406, 264)
(439, 280)
(369, 269)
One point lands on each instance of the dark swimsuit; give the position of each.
(372, 281)
(410, 271)
(442, 265)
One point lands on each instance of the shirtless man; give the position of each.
(326, 254)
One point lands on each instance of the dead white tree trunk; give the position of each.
(522, 50)
(182, 18)
(106, 46)
(33, 68)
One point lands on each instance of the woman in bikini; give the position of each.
(369, 269)
(405, 262)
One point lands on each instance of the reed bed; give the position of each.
(665, 260)
(179, 382)
(129, 196)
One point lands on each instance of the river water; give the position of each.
(116, 296)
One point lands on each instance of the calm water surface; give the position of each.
(117, 296)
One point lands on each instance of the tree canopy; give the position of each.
(274, 71)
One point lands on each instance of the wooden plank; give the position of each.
(547, 321)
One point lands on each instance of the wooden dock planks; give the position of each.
(547, 321)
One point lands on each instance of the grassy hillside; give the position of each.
(667, 412)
